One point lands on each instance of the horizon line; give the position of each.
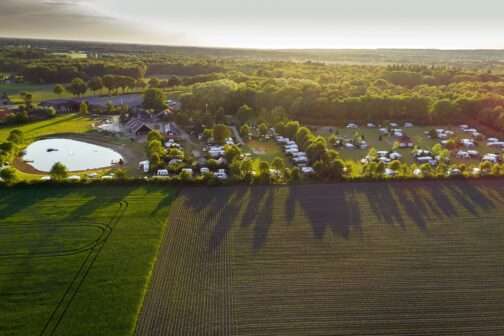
(155, 44)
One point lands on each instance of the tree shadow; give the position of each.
(55, 122)
(383, 203)
(441, 199)
(19, 199)
(252, 210)
(414, 205)
(290, 204)
(115, 195)
(227, 208)
(328, 207)
(263, 220)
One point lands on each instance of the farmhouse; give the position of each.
(137, 127)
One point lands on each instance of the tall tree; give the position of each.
(59, 89)
(154, 99)
(58, 172)
(220, 133)
(77, 87)
(95, 84)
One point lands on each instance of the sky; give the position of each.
(269, 24)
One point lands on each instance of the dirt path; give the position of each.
(237, 135)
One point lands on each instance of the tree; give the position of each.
(27, 98)
(77, 87)
(264, 171)
(220, 133)
(58, 172)
(278, 164)
(141, 84)
(316, 150)
(290, 129)
(330, 168)
(207, 133)
(174, 81)
(154, 83)
(245, 113)
(155, 147)
(245, 131)
(154, 99)
(16, 137)
(246, 168)
(231, 152)
(83, 108)
(155, 160)
(110, 83)
(59, 89)
(8, 175)
(263, 129)
(380, 169)
(95, 84)
(395, 165)
(303, 134)
(154, 135)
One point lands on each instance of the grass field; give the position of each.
(76, 261)
(265, 151)
(69, 123)
(419, 258)
(39, 92)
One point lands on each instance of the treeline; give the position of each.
(181, 69)
(57, 73)
(40, 66)
(313, 103)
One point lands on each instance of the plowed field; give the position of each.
(419, 258)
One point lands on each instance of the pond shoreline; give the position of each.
(26, 167)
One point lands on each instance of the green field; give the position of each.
(69, 123)
(265, 151)
(76, 261)
(39, 92)
(416, 258)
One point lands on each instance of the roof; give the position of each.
(134, 125)
(4, 113)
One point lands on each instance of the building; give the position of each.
(7, 110)
(138, 127)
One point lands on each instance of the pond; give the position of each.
(75, 155)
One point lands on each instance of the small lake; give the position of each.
(75, 155)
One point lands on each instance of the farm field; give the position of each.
(416, 258)
(76, 260)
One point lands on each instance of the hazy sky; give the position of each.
(444, 24)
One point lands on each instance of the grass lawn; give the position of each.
(68, 123)
(265, 151)
(77, 260)
(39, 92)
(410, 258)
